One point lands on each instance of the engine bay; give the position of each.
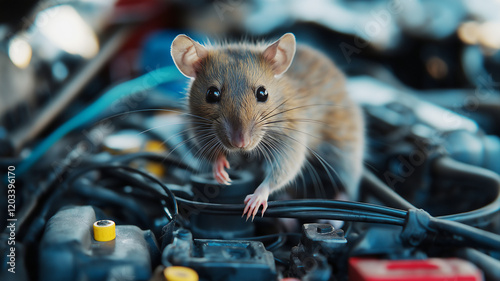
(101, 181)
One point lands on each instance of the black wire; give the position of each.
(270, 236)
(312, 213)
(302, 209)
(456, 224)
(346, 205)
(111, 198)
(170, 197)
(333, 215)
(285, 263)
(344, 210)
(384, 193)
(485, 239)
(325, 209)
(316, 209)
(296, 208)
(489, 265)
(154, 156)
(300, 203)
(280, 241)
(286, 211)
(277, 244)
(449, 169)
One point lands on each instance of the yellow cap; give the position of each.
(180, 273)
(104, 230)
(158, 169)
(155, 146)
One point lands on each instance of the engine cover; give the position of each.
(68, 250)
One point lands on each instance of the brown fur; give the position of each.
(311, 98)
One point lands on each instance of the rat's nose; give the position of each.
(239, 139)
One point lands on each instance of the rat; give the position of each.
(283, 101)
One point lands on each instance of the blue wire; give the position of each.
(139, 84)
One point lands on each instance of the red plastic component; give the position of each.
(433, 269)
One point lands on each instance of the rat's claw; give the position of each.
(254, 201)
(225, 162)
(264, 208)
(222, 177)
(220, 174)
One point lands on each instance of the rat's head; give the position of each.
(235, 88)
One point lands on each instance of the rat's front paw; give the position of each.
(220, 174)
(253, 202)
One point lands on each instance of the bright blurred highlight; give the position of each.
(489, 34)
(20, 52)
(468, 32)
(67, 30)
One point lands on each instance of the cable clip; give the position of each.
(416, 227)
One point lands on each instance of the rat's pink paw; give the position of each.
(220, 174)
(255, 200)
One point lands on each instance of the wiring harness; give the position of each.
(417, 224)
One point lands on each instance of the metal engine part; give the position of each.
(220, 260)
(68, 250)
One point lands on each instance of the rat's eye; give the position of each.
(213, 95)
(261, 94)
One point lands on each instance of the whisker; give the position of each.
(187, 141)
(278, 106)
(323, 162)
(299, 120)
(318, 185)
(316, 179)
(201, 151)
(169, 124)
(153, 109)
(300, 107)
(295, 130)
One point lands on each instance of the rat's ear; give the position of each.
(280, 53)
(187, 55)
